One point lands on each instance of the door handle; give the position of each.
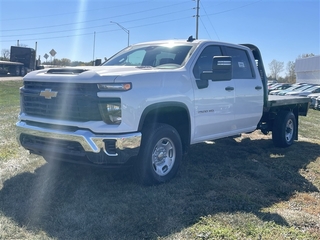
(229, 89)
(258, 87)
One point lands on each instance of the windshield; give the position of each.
(161, 56)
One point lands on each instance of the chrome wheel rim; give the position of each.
(289, 130)
(163, 156)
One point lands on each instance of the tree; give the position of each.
(65, 62)
(276, 68)
(291, 74)
(5, 54)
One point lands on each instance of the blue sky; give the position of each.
(282, 29)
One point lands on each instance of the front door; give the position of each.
(214, 104)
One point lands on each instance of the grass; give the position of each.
(241, 188)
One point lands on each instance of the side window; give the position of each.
(204, 62)
(241, 67)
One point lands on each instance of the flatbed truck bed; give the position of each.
(276, 100)
(278, 107)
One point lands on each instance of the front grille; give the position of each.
(74, 102)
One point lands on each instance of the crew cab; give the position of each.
(149, 102)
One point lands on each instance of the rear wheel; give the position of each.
(160, 154)
(284, 129)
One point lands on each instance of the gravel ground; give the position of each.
(10, 78)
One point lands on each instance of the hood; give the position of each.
(86, 73)
(119, 70)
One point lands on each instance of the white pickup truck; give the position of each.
(149, 102)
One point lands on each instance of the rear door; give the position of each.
(248, 89)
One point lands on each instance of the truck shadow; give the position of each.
(76, 202)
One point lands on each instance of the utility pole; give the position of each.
(124, 29)
(197, 18)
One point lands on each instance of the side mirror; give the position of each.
(202, 83)
(221, 69)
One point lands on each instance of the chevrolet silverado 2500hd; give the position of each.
(149, 102)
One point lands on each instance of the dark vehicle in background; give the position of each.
(22, 61)
(26, 56)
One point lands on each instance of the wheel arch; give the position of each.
(271, 115)
(175, 114)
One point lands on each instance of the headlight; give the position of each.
(111, 112)
(114, 86)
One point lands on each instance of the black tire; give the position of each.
(160, 154)
(22, 71)
(17, 71)
(284, 129)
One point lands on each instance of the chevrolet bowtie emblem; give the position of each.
(48, 94)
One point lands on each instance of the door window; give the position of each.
(204, 62)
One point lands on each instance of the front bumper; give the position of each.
(97, 148)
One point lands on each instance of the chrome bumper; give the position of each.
(126, 145)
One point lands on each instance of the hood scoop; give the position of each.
(74, 71)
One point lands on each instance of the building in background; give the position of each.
(308, 70)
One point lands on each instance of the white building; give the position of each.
(308, 70)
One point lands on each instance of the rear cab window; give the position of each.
(241, 66)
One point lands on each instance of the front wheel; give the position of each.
(284, 129)
(160, 154)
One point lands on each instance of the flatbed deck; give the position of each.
(299, 105)
(276, 100)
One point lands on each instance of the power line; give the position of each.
(139, 26)
(67, 13)
(90, 33)
(206, 14)
(236, 8)
(93, 27)
(94, 20)
(229, 10)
